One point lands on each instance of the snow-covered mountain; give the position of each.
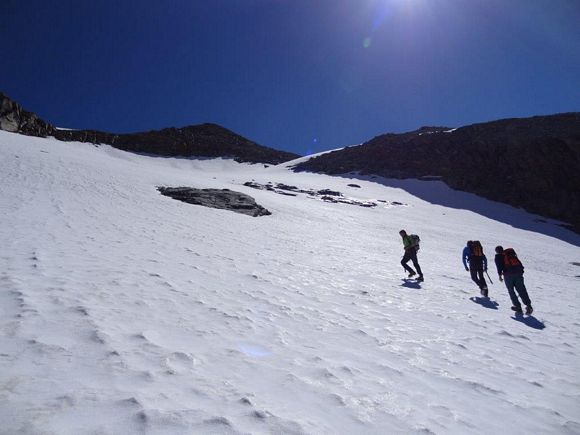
(123, 311)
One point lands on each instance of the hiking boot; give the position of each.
(529, 310)
(411, 274)
(420, 279)
(518, 310)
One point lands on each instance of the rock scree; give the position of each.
(224, 199)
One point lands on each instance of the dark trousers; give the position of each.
(411, 254)
(477, 277)
(516, 283)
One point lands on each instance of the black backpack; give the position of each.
(476, 250)
(416, 240)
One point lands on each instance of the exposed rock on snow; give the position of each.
(328, 192)
(216, 198)
(279, 188)
(326, 195)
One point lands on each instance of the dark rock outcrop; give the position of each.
(224, 199)
(325, 195)
(15, 119)
(533, 163)
(205, 140)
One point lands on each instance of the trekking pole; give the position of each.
(488, 277)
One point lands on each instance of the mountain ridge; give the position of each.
(531, 163)
(203, 140)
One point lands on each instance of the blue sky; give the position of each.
(299, 75)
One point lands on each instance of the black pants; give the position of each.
(411, 254)
(477, 277)
(516, 283)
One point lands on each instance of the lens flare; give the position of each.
(254, 351)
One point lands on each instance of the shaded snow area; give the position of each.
(123, 311)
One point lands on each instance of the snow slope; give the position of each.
(126, 312)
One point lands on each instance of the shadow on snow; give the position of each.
(530, 321)
(411, 283)
(438, 193)
(485, 302)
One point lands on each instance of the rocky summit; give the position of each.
(533, 163)
(204, 140)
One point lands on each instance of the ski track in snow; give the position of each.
(126, 312)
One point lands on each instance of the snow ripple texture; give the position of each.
(125, 312)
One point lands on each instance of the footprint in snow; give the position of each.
(179, 362)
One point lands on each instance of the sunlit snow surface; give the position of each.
(125, 312)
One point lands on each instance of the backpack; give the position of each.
(476, 249)
(416, 240)
(510, 258)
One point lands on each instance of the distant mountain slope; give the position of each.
(205, 140)
(532, 163)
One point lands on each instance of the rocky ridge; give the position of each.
(204, 140)
(533, 163)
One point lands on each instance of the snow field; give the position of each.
(123, 311)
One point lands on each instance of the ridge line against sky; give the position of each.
(301, 75)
